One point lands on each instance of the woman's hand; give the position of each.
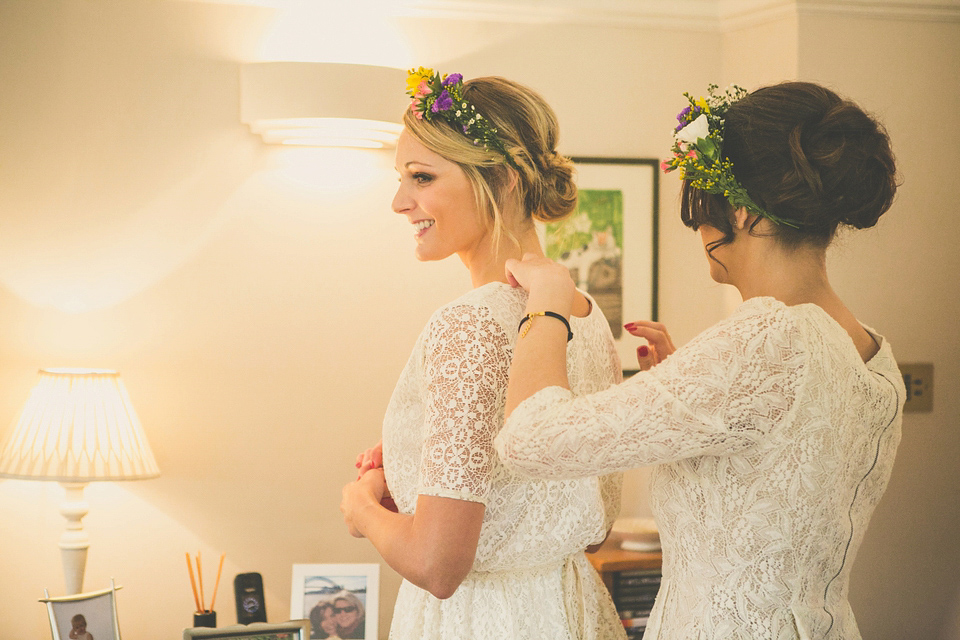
(547, 282)
(362, 494)
(659, 341)
(372, 458)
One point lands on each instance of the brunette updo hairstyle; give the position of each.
(805, 154)
(528, 128)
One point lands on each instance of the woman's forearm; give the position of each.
(540, 353)
(434, 548)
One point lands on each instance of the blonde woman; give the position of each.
(484, 553)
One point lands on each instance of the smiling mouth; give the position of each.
(421, 226)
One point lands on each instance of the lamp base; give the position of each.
(74, 542)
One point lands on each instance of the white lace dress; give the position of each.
(773, 442)
(530, 579)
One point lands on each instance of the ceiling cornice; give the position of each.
(702, 15)
(686, 14)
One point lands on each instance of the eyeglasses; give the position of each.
(349, 609)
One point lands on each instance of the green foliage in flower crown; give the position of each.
(433, 96)
(698, 151)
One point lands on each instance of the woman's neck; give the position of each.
(486, 262)
(760, 265)
(792, 281)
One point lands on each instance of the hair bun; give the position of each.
(805, 154)
(557, 189)
(844, 160)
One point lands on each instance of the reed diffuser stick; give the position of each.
(193, 585)
(217, 583)
(200, 580)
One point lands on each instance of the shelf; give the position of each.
(610, 558)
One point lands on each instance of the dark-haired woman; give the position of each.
(773, 432)
(486, 554)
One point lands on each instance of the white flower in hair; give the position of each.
(699, 128)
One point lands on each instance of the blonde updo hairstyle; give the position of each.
(527, 126)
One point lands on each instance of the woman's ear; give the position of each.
(740, 218)
(512, 178)
(743, 219)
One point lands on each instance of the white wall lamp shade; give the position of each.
(323, 104)
(77, 426)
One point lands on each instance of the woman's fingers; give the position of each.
(536, 271)
(654, 333)
(509, 268)
(646, 357)
(372, 458)
(518, 272)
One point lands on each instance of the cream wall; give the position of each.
(903, 280)
(261, 302)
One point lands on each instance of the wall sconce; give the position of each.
(77, 426)
(323, 104)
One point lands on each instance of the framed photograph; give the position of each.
(339, 600)
(293, 630)
(84, 616)
(609, 243)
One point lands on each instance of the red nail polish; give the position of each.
(629, 325)
(643, 351)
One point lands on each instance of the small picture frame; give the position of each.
(340, 600)
(84, 615)
(293, 630)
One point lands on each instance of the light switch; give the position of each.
(918, 379)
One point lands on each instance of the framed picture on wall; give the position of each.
(339, 600)
(293, 630)
(84, 615)
(609, 243)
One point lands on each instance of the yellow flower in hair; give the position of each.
(416, 76)
(702, 103)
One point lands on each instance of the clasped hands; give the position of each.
(368, 489)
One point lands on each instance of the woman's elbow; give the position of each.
(443, 581)
(444, 589)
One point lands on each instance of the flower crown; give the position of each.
(434, 96)
(698, 151)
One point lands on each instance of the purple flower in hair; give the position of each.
(453, 78)
(443, 102)
(682, 116)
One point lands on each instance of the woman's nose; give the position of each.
(401, 201)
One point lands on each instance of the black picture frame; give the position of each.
(629, 255)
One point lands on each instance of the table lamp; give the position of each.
(78, 426)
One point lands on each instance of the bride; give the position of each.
(484, 552)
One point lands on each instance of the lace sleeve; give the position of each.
(717, 395)
(466, 362)
(611, 488)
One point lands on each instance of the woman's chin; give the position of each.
(424, 254)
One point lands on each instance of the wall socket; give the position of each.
(918, 379)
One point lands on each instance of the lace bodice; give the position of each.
(773, 442)
(438, 441)
(448, 406)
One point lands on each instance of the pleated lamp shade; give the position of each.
(78, 425)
